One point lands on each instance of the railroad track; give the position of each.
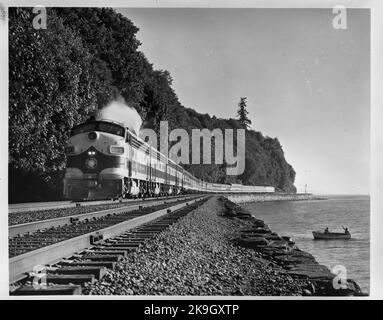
(37, 206)
(67, 264)
(24, 228)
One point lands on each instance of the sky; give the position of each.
(306, 83)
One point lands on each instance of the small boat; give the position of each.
(318, 235)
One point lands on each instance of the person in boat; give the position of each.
(346, 231)
(326, 230)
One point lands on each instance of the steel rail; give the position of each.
(23, 228)
(37, 206)
(20, 265)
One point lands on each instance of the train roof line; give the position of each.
(146, 144)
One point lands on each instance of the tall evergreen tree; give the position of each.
(242, 114)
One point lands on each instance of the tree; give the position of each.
(242, 114)
(159, 97)
(50, 88)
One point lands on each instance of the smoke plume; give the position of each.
(119, 111)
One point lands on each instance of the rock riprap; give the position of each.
(282, 252)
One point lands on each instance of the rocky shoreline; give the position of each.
(219, 249)
(262, 197)
(287, 258)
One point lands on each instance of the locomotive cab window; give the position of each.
(82, 128)
(99, 126)
(111, 128)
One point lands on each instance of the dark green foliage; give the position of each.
(265, 162)
(242, 114)
(110, 39)
(158, 99)
(86, 57)
(49, 90)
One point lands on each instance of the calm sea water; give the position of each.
(298, 219)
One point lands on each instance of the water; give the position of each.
(298, 219)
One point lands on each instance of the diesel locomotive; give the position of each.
(107, 160)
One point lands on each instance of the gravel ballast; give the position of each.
(197, 256)
(37, 215)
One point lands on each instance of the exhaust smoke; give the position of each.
(119, 111)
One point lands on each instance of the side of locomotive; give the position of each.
(106, 160)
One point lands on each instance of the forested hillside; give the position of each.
(81, 61)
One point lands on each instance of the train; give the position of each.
(107, 160)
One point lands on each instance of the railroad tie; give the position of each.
(118, 248)
(102, 251)
(107, 264)
(97, 272)
(102, 257)
(70, 278)
(48, 290)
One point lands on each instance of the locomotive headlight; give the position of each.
(91, 163)
(92, 135)
(116, 150)
(91, 153)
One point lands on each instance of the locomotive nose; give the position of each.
(92, 135)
